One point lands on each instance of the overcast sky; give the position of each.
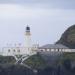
(48, 19)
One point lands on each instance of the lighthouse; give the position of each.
(27, 37)
(29, 49)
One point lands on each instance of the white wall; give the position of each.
(18, 51)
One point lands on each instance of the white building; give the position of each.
(28, 48)
(55, 48)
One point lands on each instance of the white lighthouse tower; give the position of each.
(28, 45)
(27, 37)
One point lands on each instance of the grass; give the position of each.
(36, 61)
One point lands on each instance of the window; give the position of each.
(58, 50)
(14, 50)
(49, 49)
(45, 49)
(19, 50)
(8, 50)
(41, 50)
(55, 49)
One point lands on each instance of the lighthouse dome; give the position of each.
(27, 28)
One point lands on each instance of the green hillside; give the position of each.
(38, 62)
(66, 64)
(68, 37)
(7, 60)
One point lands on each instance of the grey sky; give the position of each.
(65, 4)
(48, 19)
